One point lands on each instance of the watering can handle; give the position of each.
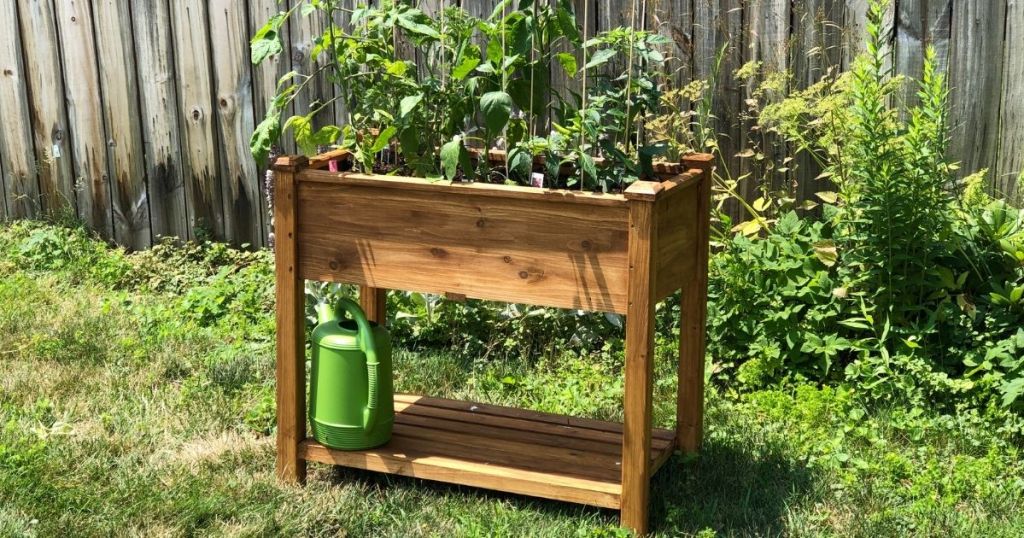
(369, 347)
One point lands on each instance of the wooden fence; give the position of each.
(134, 115)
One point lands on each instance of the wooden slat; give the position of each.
(554, 253)
(125, 155)
(291, 319)
(243, 218)
(471, 446)
(87, 138)
(524, 419)
(46, 101)
(204, 202)
(639, 367)
(17, 159)
(403, 457)
(151, 20)
(769, 33)
(1011, 137)
(974, 84)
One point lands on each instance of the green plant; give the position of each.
(482, 84)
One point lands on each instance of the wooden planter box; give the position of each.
(603, 252)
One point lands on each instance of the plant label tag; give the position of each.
(332, 165)
(537, 180)
(56, 151)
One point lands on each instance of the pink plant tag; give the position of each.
(332, 165)
(537, 180)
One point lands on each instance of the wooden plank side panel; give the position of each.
(975, 85)
(203, 198)
(85, 120)
(676, 240)
(239, 179)
(125, 150)
(46, 100)
(550, 253)
(151, 20)
(17, 157)
(1010, 166)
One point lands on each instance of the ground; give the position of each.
(125, 412)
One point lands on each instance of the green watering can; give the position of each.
(351, 401)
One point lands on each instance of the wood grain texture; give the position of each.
(46, 101)
(693, 313)
(302, 29)
(674, 252)
(920, 25)
(204, 202)
(374, 302)
(639, 367)
(674, 20)
(17, 159)
(85, 120)
(1010, 166)
(499, 448)
(554, 253)
(125, 151)
(160, 121)
(291, 347)
(240, 182)
(975, 128)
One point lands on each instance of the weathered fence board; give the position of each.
(136, 115)
(17, 155)
(86, 134)
(125, 154)
(158, 96)
(1011, 117)
(46, 98)
(975, 80)
(195, 101)
(233, 82)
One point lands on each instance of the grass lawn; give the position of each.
(134, 403)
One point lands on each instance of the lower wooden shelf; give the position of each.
(500, 448)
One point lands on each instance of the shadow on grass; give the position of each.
(727, 488)
(730, 489)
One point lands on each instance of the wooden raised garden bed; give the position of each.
(603, 252)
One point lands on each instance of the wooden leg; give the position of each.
(291, 353)
(693, 314)
(374, 302)
(636, 439)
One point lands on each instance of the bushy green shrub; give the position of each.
(910, 287)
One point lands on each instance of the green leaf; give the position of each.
(467, 66)
(450, 157)
(383, 138)
(567, 22)
(416, 22)
(408, 104)
(325, 136)
(497, 108)
(568, 62)
(520, 162)
(302, 129)
(266, 133)
(588, 165)
(267, 40)
(600, 57)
